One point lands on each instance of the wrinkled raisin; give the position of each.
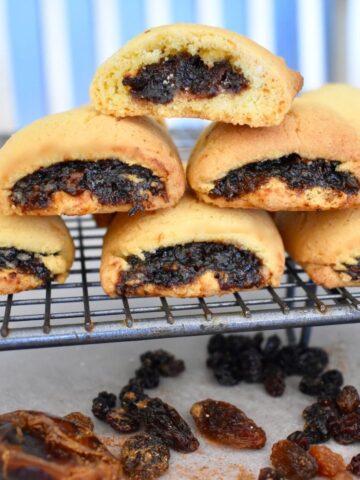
(271, 346)
(317, 419)
(121, 421)
(251, 365)
(81, 420)
(331, 381)
(288, 359)
(274, 381)
(217, 343)
(300, 439)
(162, 420)
(163, 362)
(102, 404)
(354, 465)
(144, 457)
(149, 377)
(312, 361)
(270, 474)
(348, 399)
(228, 374)
(311, 385)
(293, 461)
(329, 462)
(345, 429)
(226, 424)
(132, 392)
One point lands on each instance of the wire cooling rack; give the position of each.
(79, 312)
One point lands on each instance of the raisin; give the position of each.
(132, 393)
(144, 457)
(312, 361)
(270, 474)
(348, 399)
(162, 420)
(354, 465)
(236, 344)
(346, 429)
(228, 374)
(317, 418)
(216, 359)
(149, 377)
(121, 421)
(102, 404)
(274, 381)
(331, 381)
(288, 359)
(251, 365)
(300, 439)
(164, 362)
(329, 462)
(311, 385)
(271, 347)
(226, 424)
(293, 461)
(217, 343)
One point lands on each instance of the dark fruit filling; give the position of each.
(172, 266)
(297, 172)
(159, 82)
(25, 262)
(112, 181)
(352, 270)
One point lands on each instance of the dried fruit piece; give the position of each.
(228, 373)
(34, 445)
(144, 457)
(251, 365)
(162, 420)
(81, 420)
(312, 361)
(132, 392)
(329, 462)
(274, 381)
(102, 404)
(293, 461)
(148, 377)
(270, 474)
(348, 399)
(354, 465)
(226, 424)
(311, 385)
(346, 429)
(163, 362)
(317, 420)
(300, 439)
(121, 421)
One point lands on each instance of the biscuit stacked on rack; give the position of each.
(265, 152)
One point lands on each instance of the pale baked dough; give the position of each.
(84, 134)
(272, 85)
(47, 237)
(190, 221)
(311, 129)
(323, 243)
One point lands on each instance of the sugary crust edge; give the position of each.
(326, 276)
(14, 281)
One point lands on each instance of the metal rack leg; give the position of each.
(305, 336)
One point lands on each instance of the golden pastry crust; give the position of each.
(311, 130)
(272, 85)
(47, 237)
(84, 134)
(323, 243)
(190, 221)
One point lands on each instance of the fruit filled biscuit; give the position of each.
(186, 70)
(191, 250)
(33, 250)
(81, 162)
(311, 161)
(325, 244)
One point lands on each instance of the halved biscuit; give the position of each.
(33, 251)
(311, 161)
(325, 244)
(191, 250)
(81, 162)
(186, 70)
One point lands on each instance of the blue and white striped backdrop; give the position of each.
(49, 49)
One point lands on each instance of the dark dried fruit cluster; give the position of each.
(336, 416)
(236, 358)
(146, 456)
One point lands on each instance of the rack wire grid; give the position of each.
(79, 312)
